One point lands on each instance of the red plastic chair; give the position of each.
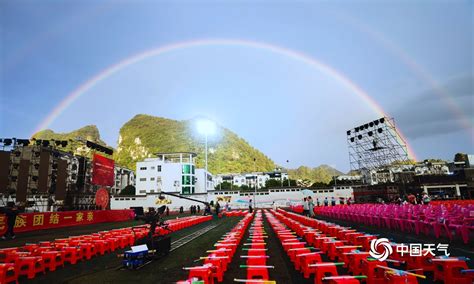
(8, 273)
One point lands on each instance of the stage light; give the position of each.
(37, 154)
(361, 127)
(34, 178)
(379, 130)
(370, 133)
(382, 120)
(37, 166)
(45, 143)
(360, 137)
(64, 143)
(366, 126)
(348, 132)
(352, 139)
(357, 129)
(371, 124)
(38, 142)
(376, 122)
(57, 142)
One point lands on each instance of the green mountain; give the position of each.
(89, 132)
(145, 135)
(323, 173)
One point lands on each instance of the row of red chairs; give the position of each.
(218, 259)
(336, 242)
(34, 258)
(454, 222)
(235, 213)
(306, 257)
(256, 257)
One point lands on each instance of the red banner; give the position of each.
(102, 198)
(50, 220)
(102, 171)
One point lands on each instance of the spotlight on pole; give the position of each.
(206, 127)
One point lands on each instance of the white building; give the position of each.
(123, 177)
(171, 172)
(237, 199)
(250, 179)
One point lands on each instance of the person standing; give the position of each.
(333, 201)
(11, 211)
(326, 201)
(305, 207)
(311, 207)
(250, 206)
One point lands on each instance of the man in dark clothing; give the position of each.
(152, 219)
(11, 211)
(250, 206)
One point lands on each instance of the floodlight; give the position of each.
(348, 132)
(206, 127)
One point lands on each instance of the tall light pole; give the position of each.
(206, 127)
(255, 192)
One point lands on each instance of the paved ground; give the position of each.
(104, 269)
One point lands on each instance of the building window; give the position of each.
(142, 179)
(142, 168)
(142, 191)
(186, 190)
(152, 168)
(152, 178)
(186, 180)
(158, 168)
(186, 169)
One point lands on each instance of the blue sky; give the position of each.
(404, 54)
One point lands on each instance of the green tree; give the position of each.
(128, 190)
(245, 187)
(225, 185)
(460, 157)
(272, 183)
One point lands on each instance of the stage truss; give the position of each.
(376, 144)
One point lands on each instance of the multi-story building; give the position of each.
(251, 180)
(172, 172)
(123, 178)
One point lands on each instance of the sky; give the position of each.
(287, 76)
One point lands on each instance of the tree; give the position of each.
(245, 187)
(272, 183)
(128, 190)
(319, 184)
(460, 157)
(225, 185)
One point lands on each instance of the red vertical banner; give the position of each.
(102, 171)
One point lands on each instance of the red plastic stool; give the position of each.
(374, 274)
(400, 278)
(324, 269)
(307, 260)
(344, 279)
(29, 266)
(257, 271)
(203, 273)
(355, 260)
(88, 250)
(8, 273)
(72, 254)
(52, 259)
(449, 270)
